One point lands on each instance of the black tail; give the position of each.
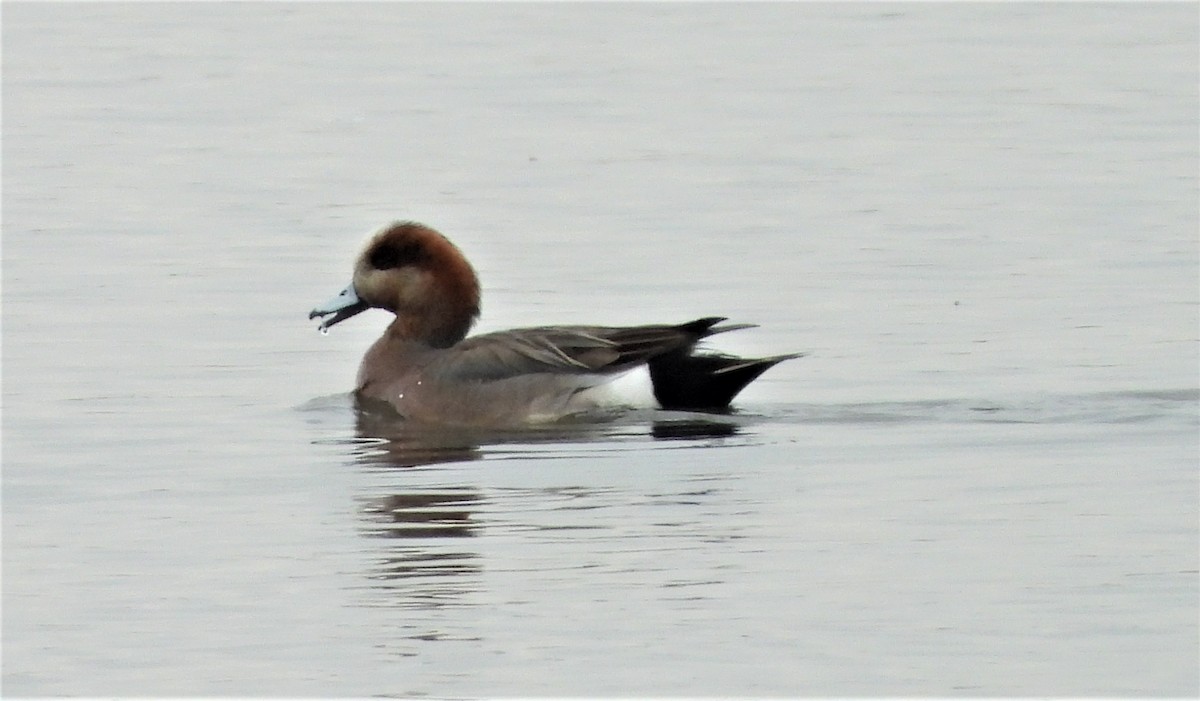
(706, 382)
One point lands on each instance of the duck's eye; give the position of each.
(390, 255)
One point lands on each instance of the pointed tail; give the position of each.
(706, 382)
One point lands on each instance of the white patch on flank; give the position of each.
(630, 389)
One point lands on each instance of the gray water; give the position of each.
(979, 221)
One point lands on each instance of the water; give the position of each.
(978, 220)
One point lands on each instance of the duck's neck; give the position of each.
(437, 328)
(442, 308)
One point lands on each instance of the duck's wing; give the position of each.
(570, 349)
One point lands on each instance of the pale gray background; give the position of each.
(979, 220)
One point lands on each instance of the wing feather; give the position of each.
(559, 349)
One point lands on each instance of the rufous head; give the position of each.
(416, 273)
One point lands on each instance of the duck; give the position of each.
(427, 368)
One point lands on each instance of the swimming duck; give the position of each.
(427, 369)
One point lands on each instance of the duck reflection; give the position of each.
(425, 515)
(419, 563)
(419, 567)
(422, 531)
(691, 429)
(387, 439)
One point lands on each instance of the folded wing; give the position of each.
(682, 379)
(571, 349)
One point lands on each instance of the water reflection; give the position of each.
(417, 568)
(691, 429)
(424, 523)
(424, 515)
(386, 439)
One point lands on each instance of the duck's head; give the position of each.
(417, 274)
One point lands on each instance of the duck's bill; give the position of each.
(345, 305)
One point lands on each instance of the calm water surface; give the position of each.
(979, 221)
